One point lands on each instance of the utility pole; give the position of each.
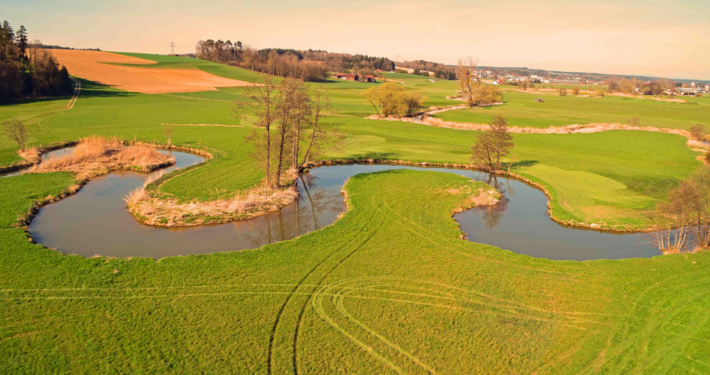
(172, 47)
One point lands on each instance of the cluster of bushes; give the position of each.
(26, 70)
(391, 99)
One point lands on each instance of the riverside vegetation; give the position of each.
(390, 287)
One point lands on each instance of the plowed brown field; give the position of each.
(92, 65)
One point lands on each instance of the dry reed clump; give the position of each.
(485, 197)
(97, 155)
(172, 213)
(32, 155)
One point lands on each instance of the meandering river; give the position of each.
(95, 221)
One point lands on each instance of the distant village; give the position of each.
(637, 86)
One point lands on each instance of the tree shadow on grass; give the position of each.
(91, 89)
(523, 164)
(376, 156)
(88, 89)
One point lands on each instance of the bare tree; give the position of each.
(683, 218)
(15, 130)
(634, 121)
(263, 107)
(698, 132)
(562, 91)
(285, 108)
(466, 72)
(168, 132)
(492, 145)
(320, 104)
(413, 102)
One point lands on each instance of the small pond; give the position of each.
(95, 221)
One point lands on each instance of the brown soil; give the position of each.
(97, 66)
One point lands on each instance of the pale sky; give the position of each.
(666, 38)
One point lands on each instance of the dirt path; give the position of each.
(77, 92)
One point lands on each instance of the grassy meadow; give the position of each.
(388, 288)
(521, 109)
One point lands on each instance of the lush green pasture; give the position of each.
(610, 178)
(521, 109)
(387, 288)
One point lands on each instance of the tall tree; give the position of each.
(288, 94)
(262, 106)
(468, 79)
(22, 42)
(492, 145)
(319, 106)
(16, 131)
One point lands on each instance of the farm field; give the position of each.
(129, 73)
(388, 288)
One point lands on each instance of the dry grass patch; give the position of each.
(97, 66)
(159, 211)
(481, 197)
(98, 155)
(171, 213)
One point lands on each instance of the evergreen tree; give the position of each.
(22, 42)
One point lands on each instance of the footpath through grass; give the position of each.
(388, 288)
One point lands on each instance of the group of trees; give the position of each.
(391, 99)
(472, 90)
(310, 65)
(276, 62)
(638, 87)
(26, 70)
(684, 218)
(290, 116)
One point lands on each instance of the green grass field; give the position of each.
(390, 287)
(522, 110)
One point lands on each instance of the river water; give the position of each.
(95, 221)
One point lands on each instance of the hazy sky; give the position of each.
(669, 38)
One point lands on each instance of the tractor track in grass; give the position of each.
(77, 92)
(436, 295)
(274, 332)
(299, 321)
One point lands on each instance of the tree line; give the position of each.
(27, 70)
(307, 65)
(421, 67)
